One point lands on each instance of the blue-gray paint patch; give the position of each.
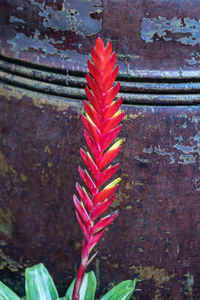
(75, 16)
(13, 19)
(154, 29)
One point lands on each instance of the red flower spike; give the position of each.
(93, 85)
(85, 198)
(83, 227)
(108, 51)
(112, 108)
(88, 181)
(104, 194)
(82, 212)
(110, 154)
(108, 137)
(102, 177)
(101, 122)
(109, 80)
(99, 46)
(104, 222)
(94, 148)
(94, 240)
(95, 73)
(90, 164)
(91, 128)
(111, 94)
(110, 64)
(112, 122)
(93, 100)
(92, 114)
(101, 207)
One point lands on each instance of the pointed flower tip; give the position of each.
(117, 113)
(116, 145)
(113, 183)
(88, 118)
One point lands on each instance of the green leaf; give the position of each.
(87, 290)
(39, 284)
(6, 293)
(121, 291)
(68, 295)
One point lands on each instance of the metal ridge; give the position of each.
(71, 84)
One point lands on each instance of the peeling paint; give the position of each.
(13, 19)
(141, 159)
(162, 152)
(186, 159)
(194, 58)
(75, 17)
(161, 28)
(183, 148)
(148, 150)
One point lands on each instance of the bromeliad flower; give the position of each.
(101, 120)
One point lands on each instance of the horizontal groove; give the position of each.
(43, 87)
(75, 81)
(145, 100)
(74, 93)
(125, 77)
(32, 65)
(71, 84)
(43, 76)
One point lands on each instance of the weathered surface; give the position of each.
(44, 46)
(159, 203)
(152, 38)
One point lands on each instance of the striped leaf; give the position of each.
(6, 293)
(122, 291)
(39, 284)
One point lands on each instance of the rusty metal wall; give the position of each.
(44, 46)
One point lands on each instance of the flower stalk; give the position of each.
(102, 125)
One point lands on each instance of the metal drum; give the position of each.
(44, 47)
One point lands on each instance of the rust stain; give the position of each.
(47, 149)
(133, 116)
(119, 199)
(50, 164)
(5, 167)
(23, 177)
(158, 275)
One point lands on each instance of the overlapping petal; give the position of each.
(102, 125)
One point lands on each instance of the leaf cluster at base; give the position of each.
(39, 285)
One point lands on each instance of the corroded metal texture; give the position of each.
(159, 203)
(152, 38)
(44, 46)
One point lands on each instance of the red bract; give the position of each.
(101, 121)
